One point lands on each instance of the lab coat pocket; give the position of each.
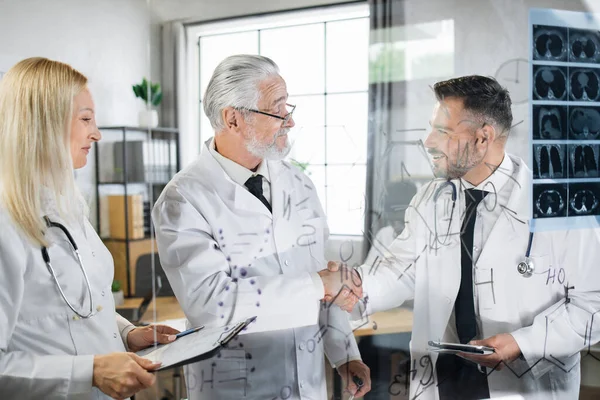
(47, 334)
(535, 292)
(231, 373)
(49, 323)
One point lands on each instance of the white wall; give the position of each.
(204, 10)
(107, 40)
(487, 33)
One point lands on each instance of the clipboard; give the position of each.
(455, 348)
(194, 347)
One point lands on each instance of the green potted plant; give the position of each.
(117, 293)
(152, 96)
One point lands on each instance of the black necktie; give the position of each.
(457, 378)
(464, 307)
(255, 186)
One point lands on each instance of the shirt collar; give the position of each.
(496, 181)
(236, 172)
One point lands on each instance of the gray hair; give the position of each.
(235, 84)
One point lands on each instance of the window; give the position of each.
(323, 55)
(412, 52)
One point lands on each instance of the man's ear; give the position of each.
(231, 118)
(485, 135)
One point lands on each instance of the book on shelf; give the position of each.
(133, 159)
(146, 161)
(135, 216)
(147, 218)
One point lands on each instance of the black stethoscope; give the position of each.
(75, 249)
(525, 267)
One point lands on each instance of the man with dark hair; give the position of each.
(483, 107)
(483, 97)
(466, 232)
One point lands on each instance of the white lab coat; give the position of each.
(228, 258)
(532, 309)
(380, 245)
(46, 352)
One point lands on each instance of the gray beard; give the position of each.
(269, 151)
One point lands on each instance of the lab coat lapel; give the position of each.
(282, 189)
(505, 247)
(514, 219)
(227, 188)
(244, 200)
(444, 254)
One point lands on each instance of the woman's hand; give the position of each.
(121, 375)
(142, 337)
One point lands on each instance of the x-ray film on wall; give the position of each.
(565, 119)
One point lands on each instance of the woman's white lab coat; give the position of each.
(549, 330)
(46, 351)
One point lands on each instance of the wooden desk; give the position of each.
(166, 308)
(398, 320)
(132, 302)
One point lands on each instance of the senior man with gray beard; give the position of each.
(242, 233)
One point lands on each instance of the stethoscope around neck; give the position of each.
(525, 267)
(75, 249)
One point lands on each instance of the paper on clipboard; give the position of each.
(194, 347)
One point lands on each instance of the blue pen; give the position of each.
(182, 334)
(189, 331)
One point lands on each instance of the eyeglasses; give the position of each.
(284, 120)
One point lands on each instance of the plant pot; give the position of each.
(148, 118)
(119, 298)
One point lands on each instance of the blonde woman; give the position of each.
(60, 336)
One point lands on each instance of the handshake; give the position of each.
(343, 285)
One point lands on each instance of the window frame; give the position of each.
(192, 144)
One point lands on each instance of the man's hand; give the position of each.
(360, 370)
(140, 338)
(506, 347)
(121, 375)
(343, 285)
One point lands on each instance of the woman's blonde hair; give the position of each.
(36, 107)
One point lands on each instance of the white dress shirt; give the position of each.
(499, 186)
(240, 174)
